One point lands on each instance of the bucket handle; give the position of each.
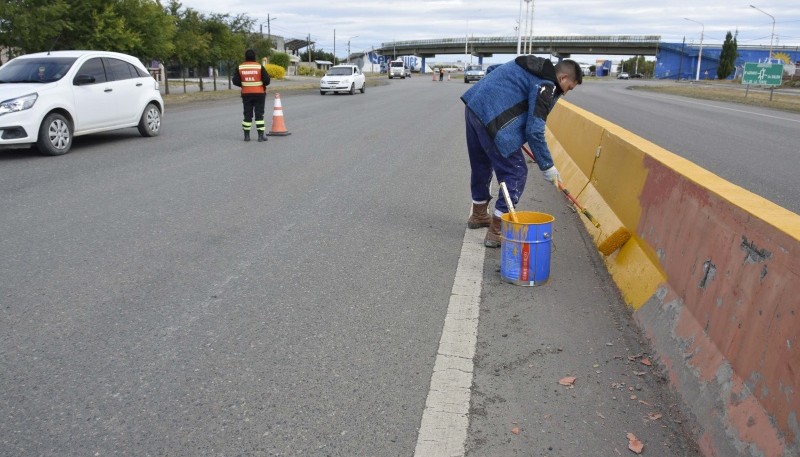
(552, 241)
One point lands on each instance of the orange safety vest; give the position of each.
(250, 74)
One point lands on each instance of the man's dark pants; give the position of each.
(254, 103)
(484, 158)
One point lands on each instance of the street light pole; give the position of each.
(772, 36)
(699, 55)
(519, 30)
(348, 47)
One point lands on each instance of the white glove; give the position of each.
(551, 174)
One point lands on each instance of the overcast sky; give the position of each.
(369, 23)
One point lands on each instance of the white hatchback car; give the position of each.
(48, 98)
(343, 78)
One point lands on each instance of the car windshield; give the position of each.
(340, 71)
(397, 64)
(41, 70)
(474, 68)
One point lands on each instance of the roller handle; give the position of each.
(508, 203)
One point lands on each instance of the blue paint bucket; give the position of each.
(525, 248)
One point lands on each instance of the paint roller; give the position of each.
(613, 241)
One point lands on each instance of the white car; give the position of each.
(48, 98)
(474, 73)
(343, 78)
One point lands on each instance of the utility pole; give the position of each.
(700, 54)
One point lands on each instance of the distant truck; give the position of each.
(398, 68)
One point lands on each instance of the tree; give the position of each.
(728, 56)
(191, 42)
(136, 27)
(32, 25)
(638, 64)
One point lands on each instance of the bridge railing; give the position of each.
(607, 39)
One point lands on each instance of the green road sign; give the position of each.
(765, 74)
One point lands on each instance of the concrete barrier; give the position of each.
(711, 274)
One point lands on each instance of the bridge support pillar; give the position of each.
(422, 70)
(480, 60)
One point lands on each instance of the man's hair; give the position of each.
(249, 55)
(571, 69)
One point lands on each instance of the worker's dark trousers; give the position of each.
(253, 103)
(484, 158)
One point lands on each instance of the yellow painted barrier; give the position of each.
(712, 273)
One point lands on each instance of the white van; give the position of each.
(399, 69)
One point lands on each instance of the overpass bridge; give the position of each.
(557, 46)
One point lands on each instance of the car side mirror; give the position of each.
(82, 80)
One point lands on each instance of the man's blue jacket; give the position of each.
(513, 102)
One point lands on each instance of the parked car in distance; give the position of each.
(474, 73)
(48, 98)
(343, 78)
(637, 76)
(398, 69)
(622, 75)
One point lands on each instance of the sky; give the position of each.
(367, 24)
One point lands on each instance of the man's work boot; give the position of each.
(479, 217)
(492, 239)
(246, 135)
(261, 137)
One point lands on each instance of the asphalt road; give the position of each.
(755, 148)
(193, 294)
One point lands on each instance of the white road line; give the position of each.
(443, 430)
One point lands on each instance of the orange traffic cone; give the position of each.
(278, 126)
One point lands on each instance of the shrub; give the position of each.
(280, 58)
(275, 71)
(305, 71)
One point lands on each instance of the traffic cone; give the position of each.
(278, 126)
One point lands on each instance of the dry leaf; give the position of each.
(634, 444)
(647, 362)
(633, 397)
(644, 403)
(567, 381)
(640, 373)
(515, 430)
(600, 415)
(654, 416)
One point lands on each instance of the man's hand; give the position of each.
(551, 174)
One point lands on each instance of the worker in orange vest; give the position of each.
(253, 78)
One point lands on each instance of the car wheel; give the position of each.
(55, 135)
(363, 87)
(322, 92)
(150, 123)
(352, 89)
(466, 81)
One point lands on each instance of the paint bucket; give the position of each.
(525, 248)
